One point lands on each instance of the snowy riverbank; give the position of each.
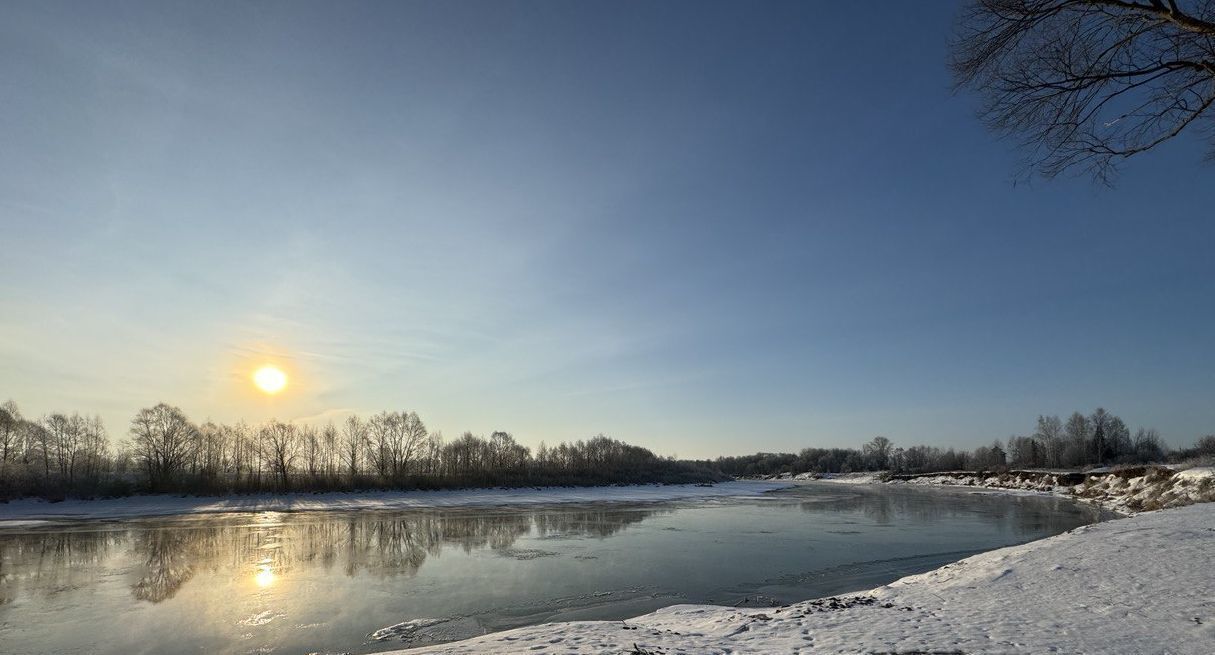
(1129, 490)
(1135, 586)
(22, 512)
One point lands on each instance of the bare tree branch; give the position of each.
(1082, 85)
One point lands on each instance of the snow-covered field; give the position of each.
(1136, 586)
(25, 511)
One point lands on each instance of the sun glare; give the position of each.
(270, 379)
(264, 576)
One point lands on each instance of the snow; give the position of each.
(1047, 484)
(868, 477)
(404, 629)
(1197, 473)
(22, 524)
(1140, 585)
(1157, 487)
(21, 512)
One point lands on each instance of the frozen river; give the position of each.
(334, 581)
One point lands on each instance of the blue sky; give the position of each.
(707, 228)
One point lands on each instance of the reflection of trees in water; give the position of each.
(1018, 514)
(169, 556)
(591, 522)
(52, 561)
(168, 562)
(882, 507)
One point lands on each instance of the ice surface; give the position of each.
(1135, 586)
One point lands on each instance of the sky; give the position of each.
(706, 228)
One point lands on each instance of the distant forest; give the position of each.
(1099, 439)
(62, 455)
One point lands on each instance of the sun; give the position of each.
(270, 379)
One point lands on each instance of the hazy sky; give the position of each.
(703, 228)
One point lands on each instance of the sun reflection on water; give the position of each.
(264, 577)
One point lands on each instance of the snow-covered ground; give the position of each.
(1127, 491)
(1136, 586)
(866, 477)
(26, 511)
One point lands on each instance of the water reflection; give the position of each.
(55, 562)
(887, 506)
(265, 574)
(168, 562)
(326, 582)
(168, 553)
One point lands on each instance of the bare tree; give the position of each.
(329, 449)
(310, 440)
(1050, 434)
(94, 449)
(1148, 446)
(354, 436)
(241, 452)
(280, 446)
(382, 436)
(396, 439)
(1206, 445)
(1085, 84)
(432, 454)
(1099, 421)
(878, 452)
(415, 438)
(65, 434)
(1118, 440)
(209, 454)
(10, 432)
(162, 441)
(507, 455)
(1076, 450)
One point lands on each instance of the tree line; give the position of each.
(1097, 439)
(60, 455)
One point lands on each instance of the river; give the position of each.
(326, 582)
